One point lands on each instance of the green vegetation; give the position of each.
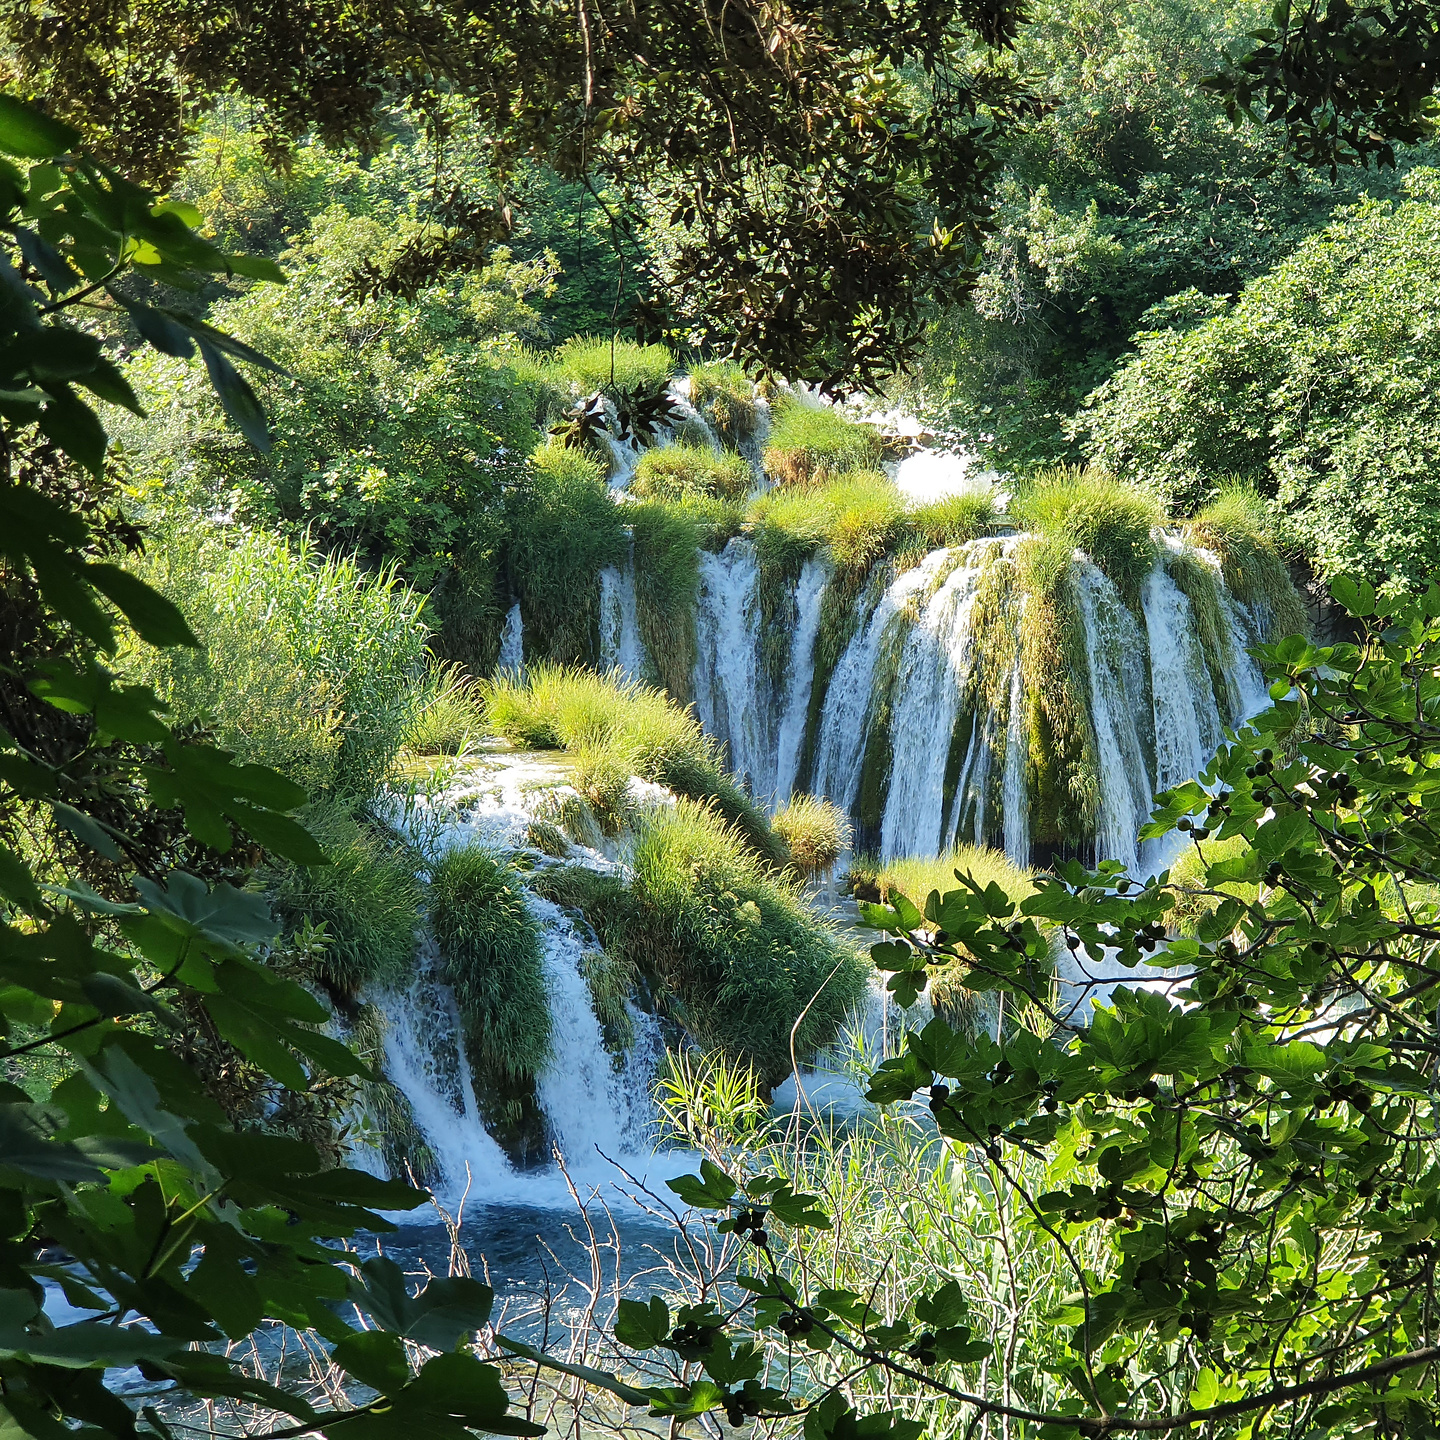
(954, 519)
(859, 518)
(1238, 528)
(449, 714)
(666, 552)
(598, 362)
(722, 392)
(1318, 387)
(676, 472)
(310, 662)
(811, 444)
(565, 530)
(490, 944)
(1087, 510)
(622, 725)
(816, 832)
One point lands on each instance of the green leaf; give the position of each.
(711, 1190)
(26, 132)
(601, 1378)
(156, 618)
(237, 398)
(642, 1325)
(375, 1358)
(75, 428)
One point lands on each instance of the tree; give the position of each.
(824, 167)
(1234, 1160)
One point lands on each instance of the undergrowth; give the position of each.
(597, 362)
(812, 444)
(678, 472)
(448, 713)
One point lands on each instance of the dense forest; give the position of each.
(794, 641)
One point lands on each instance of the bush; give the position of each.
(859, 517)
(367, 898)
(675, 472)
(722, 392)
(1321, 386)
(554, 706)
(815, 831)
(596, 362)
(448, 715)
(565, 530)
(810, 444)
(1084, 509)
(490, 944)
(309, 662)
(736, 947)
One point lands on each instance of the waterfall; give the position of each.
(1187, 719)
(1015, 800)
(621, 649)
(799, 676)
(512, 642)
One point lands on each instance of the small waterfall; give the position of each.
(621, 649)
(512, 642)
(1187, 719)
(1015, 800)
(800, 676)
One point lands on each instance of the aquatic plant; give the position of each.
(666, 551)
(810, 444)
(722, 392)
(489, 943)
(600, 362)
(858, 516)
(449, 714)
(954, 519)
(1238, 527)
(815, 831)
(673, 472)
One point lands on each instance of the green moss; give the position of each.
(597, 362)
(565, 529)
(490, 945)
(667, 579)
(367, 898)
(675, 472)
(812, 444)
(722, 392)
(879, 754)
(1111, 522)
(1237, 528)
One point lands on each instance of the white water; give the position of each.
(621, 649)
(512, 642)
(799, 678)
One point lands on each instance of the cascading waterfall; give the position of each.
(512, 642)
(621, 649)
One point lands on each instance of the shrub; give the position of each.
(722, 392)
(490, 944)
(367, 898)
(675, 472)
(597, 362)
(448, 713)
(737, 948)
(1237, 527)
(565, 530)
(571, 709)
(810, 444)
(1111, 522)
(954, 519)
(309, 662)
(815, 831)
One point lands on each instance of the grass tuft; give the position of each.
(596, 362)
(723, 393)
(812, 444)
(449, 715)
(816, 832)
(860, 517)
(679, 472)
(954, 519)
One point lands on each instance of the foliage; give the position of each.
(612, 364)
(723, 393)
(564, 529)
(815, 831)
(1087, 510)
(954, 519)
(644, 731)
(491, 948)
(811, 444)
(675, 472)
(858, 518)
(1318, 387)
(310, 661)
(169, 1216)
(665, 551)
(396, 420)
(367, 899)
(448, 713)
(1222, 1163)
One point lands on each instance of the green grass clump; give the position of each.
(810, 444)
(601, 774)
(1238, 528)
(954, 519)
(308, 663)
(367, 898)
(734, 948)
(860, 518)
(596, 362)
(1110, 521)
(723, 393)
(675, 472)
(667, 540)
(448, 715)
(639, 728)
(490, 944)
(565, 529)
(815, 831)
(916, 877)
